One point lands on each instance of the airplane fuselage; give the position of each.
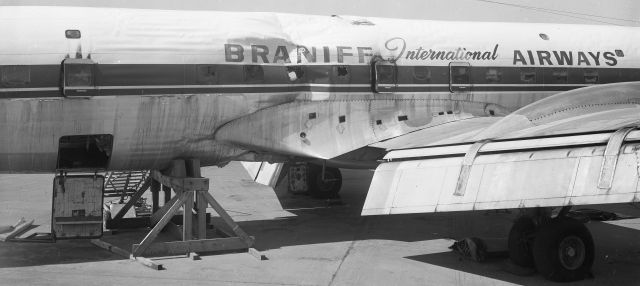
(162, 84)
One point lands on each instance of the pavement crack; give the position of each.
(344, 257)
(356, 236)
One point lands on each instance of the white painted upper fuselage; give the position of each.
(165, 82)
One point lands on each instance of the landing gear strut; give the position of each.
(560, 248)
(324, 182)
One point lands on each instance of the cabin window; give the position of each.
(591, 76)
(79, 77)
(15, 76)
(560, 76)
(253, 73)
(528, 75)
(493, 75)
(459, 77)
(206, 74)
(386, 76)
(340, 74)
(295, 73)
(421, 74)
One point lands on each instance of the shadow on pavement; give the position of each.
(617, 260)
(21, 254)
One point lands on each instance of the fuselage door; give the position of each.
(385, 76)
(459, 77)
(79, 77)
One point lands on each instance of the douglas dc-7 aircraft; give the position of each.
(455, 115)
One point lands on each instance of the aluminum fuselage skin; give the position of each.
(167, 82)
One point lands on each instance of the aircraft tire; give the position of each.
(520, 242)
(324, 189)
(563, 250)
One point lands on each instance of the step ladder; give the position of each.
(124, 184)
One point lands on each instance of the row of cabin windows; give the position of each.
(82, 74)
(207, 74)
(463, 74)
(77, 73)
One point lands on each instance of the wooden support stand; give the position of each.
(192, 194)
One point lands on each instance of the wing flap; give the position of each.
(264, 173)
(523, 173)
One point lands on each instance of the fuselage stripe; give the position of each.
(156, 79)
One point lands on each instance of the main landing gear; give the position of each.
(319, 181)
(560, 248)
(324, 182)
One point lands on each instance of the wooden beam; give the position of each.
(132, 222)
(156, 229)
(194, 256)
(201, 205)
(227, 219)
(110, 247)
(257, 254)
(155, 217)
(201, 245)
(182, 184)
(155, 195)
(133, 199)
(18, 228)
(193, 168)
(147, 262)
(168, 191)
(187, 217)
(167, 194)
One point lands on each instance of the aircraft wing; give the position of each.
(447, 133)
(574, 148)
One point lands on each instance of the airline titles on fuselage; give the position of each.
(566, 58)
(261, 54)
(395, 49)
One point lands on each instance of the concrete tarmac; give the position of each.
(307, 242)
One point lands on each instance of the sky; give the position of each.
(609, 12)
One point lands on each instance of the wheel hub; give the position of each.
(571, 252)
